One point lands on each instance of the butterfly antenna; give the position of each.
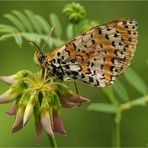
(30, 41)
(51, 31)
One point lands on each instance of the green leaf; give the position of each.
(55, 22)
(34, 21)
(7, 28)
(135, 80)
(32, 36)
(26, 24)
(15, 21)
(6, 36)
(120, 90)
(69, 31)
(140, 101)
(57, 42)
(43, 23)
(18, 39)
(36, 38)
(50, 43)
(110, 94)
(102, 107)
(24, 20)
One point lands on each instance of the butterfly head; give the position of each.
(39, 58)
(39, 55)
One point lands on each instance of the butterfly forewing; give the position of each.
(100, 54)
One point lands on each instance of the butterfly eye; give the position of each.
(41, 57)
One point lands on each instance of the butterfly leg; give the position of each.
(77, 91)
(45, 74)
(68, 80)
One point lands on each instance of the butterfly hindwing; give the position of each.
(100, 54)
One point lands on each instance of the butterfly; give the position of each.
(96, 56)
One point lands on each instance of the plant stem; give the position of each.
(52, 141)
(116, 130)
(116, 135)
(74, 29)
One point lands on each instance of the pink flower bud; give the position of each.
(58, 123)
(20, 112)
(46, 122)
(71, 99)
(8, 96)
(38, 128)
(29, 107)
(8, 79)
(68, 104)
(12, 109)
(18, 123)
(13, 78)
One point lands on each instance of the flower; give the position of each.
(13, 78)
(34, 93)
(74, 12)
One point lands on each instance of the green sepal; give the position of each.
(54, 100)
(19, 86)
(44, 104)
(23, 74)
(60, 89)
(22, 102)
(37, 106)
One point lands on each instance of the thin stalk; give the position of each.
(52, 141)
(116, 130)
(116, 135)
(74, 29)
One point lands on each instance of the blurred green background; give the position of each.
(84, 128)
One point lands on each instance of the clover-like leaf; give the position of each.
(55, 22)
(15, 21)
(102, 107)
(120, 90)
(135, 80)
(24, 20)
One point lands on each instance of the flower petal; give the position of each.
(68, 104)
(58, 123)
(8, 79)
(70, 99)
(8, 96)
(18, 124)
(12, 109)
(46, 123)
(13, 78)
(38, 128)
(74, 97)
(29, 107)
(27, 113)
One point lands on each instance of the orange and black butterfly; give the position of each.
(96, 56)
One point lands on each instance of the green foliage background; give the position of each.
(84, 128)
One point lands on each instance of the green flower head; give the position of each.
(74, 12)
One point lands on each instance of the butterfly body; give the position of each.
(96, 56)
